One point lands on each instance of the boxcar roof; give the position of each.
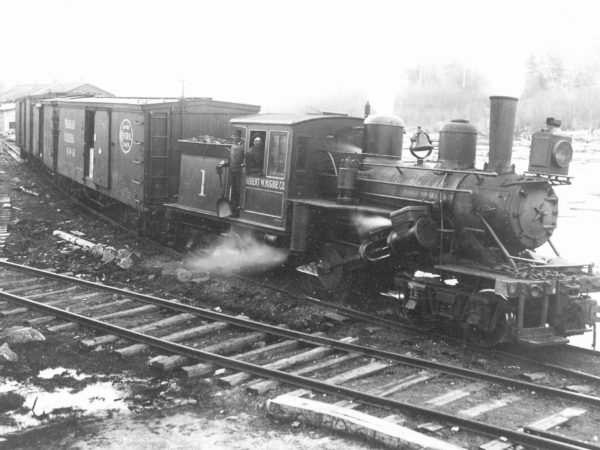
(119, 100)
(141, 101)
(286, 119)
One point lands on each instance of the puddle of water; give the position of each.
(97, 399)
(50, 373)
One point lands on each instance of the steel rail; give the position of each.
(587, 351)
(550, 366)
(317, 340)
(296, 380)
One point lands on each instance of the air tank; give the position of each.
(458, 143)
(383, 135)
(503, 115)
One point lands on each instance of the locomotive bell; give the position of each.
(458, 143)
(383, 135)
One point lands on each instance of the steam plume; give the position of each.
(237, 253)
(365, 224)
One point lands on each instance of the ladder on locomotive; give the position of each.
(159, 156)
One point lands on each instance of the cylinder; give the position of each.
(503, 114)
(458, 144)
(383, 135)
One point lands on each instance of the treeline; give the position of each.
(554, 86)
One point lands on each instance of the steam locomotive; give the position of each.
(336, 187)
(456, 243)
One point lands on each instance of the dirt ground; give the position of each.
(151, 411)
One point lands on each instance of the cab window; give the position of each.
(255, 152)
(278, 143)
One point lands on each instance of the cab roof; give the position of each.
(287, 119)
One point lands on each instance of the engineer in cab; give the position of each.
(254, 156)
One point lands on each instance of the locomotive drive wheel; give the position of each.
(488, 318)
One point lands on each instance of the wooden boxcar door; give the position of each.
(102, 149)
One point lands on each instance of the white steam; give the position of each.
(237, 253)
(347, 148)
(366, 224)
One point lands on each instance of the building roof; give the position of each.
(58, 89)
(287, 119)
(20, 90)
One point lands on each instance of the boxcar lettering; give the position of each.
(126, 136)
(70, 151)
(69, 138)
(70, 123)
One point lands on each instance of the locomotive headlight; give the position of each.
(562, 152)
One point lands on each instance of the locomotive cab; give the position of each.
(276, 174)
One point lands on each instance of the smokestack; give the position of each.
(503, 114)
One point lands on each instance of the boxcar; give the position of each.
(126, 148)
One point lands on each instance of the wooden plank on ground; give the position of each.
(359, 372)
(169, 363)
(191, 373)
(489, 406)
(114, 315)
(79, 308)
(92, 295)
(261, 386)
(335, 418)
(109, 338)
(496, 444)
(543, 424)
(23, 285)
(176, 337)
(393, 387)
(51, 293)
(309, 355)
(455, 395)
(556, 419)
(21, 310)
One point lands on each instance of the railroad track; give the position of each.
(232, 342)
(421, 394)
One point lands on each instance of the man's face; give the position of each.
(257, 142)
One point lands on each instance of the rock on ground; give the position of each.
(21, 335)
(7, 355)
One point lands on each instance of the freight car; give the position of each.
(337, 187)
(123, 150)
(30, 111)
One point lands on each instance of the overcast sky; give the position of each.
(278, 53)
